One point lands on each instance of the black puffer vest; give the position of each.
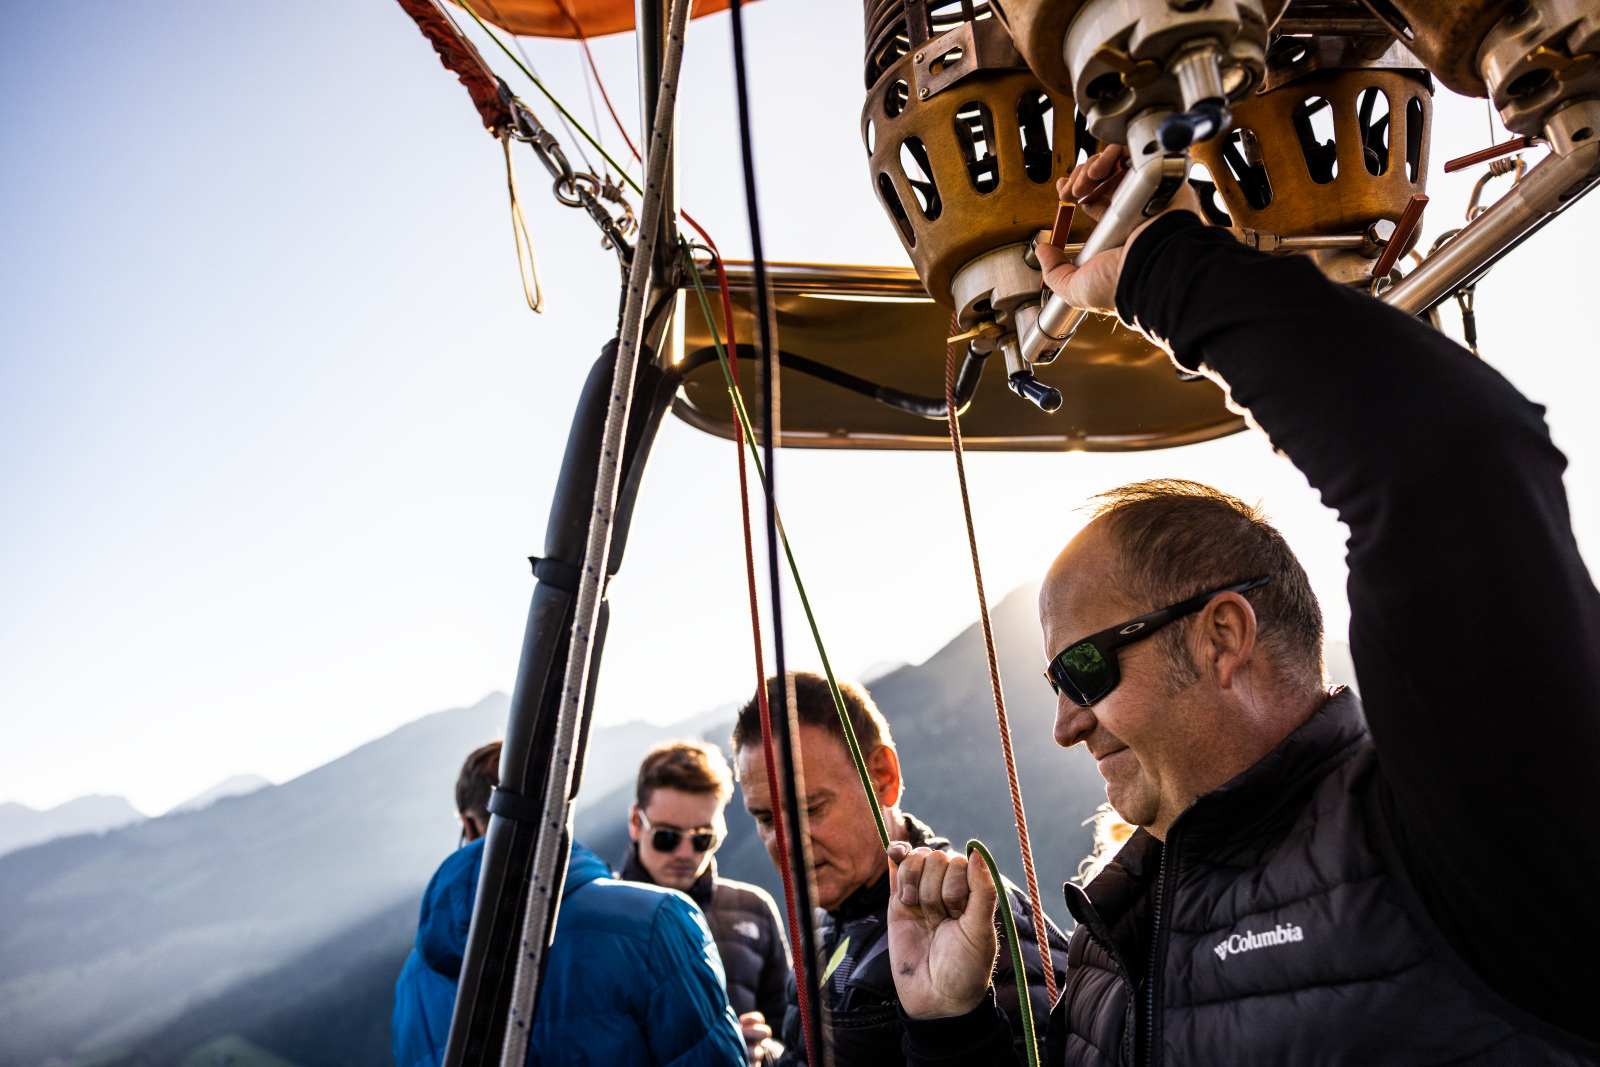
(1276, 925)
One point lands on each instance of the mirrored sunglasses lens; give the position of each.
(1083, 672)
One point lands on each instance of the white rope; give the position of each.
(544, 892)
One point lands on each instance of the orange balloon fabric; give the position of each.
(571, 19)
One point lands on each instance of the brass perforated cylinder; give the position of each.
(965, 167)
(1275, 172)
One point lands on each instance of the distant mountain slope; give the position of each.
(237, 786)
(103, 939)
(22, 826)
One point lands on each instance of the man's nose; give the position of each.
(1073, 723)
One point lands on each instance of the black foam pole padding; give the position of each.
(483, 996)
(556, 572)
(509, 805)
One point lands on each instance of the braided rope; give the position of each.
(768, 753)
(1040, 926)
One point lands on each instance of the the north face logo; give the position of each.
(746, 928)
(1278, 935)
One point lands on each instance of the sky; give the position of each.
(278, 433)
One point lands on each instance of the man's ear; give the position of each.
(635, 826)
(883, 767)
(1226, 635)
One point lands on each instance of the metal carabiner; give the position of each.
(582, 185)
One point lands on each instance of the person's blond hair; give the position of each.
(1111, 832)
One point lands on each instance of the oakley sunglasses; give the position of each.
(1087, 670)
(667, 840)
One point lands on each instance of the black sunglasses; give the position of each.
(665, 840)
(1087, 670)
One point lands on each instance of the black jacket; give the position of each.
(746, 925)
(858, 986)
(1424, 894)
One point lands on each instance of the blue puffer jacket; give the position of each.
(633, 980)
(425, 994)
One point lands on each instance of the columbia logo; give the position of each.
(1278, 935)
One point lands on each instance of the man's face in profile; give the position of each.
(845, 851)
(676, 818)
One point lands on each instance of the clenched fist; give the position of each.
(941, 931)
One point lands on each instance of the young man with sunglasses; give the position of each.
(1304, 889)
(677, 824)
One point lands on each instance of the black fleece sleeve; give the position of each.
(1475, 626)
(980, 1038)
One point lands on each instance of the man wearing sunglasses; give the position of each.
(677, 824)
(1305, 888)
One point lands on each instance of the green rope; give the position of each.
(1008, 920)
(794, 569)
(538, 84)
(1024, 1000)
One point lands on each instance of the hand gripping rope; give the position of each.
(1008, 920)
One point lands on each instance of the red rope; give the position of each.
(769, 754)
(1041, 929)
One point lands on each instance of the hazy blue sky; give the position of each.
(277, 433)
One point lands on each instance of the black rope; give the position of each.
(799, 841)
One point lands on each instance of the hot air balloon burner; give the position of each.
(964, 144)
(1335, 145)
(965, 147)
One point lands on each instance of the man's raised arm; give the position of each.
(1475, 626)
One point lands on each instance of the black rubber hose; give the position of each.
(926, 407)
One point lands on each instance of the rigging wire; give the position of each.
(807, 987)
(731, 375)
(1040, 928)
(1007, 916)
(763, 707)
